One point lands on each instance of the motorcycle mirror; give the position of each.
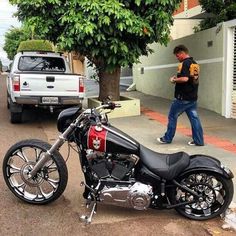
(107, 99)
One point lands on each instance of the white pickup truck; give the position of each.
(41, 79)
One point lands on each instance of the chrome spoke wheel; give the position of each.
(214, 191)
(49, 182)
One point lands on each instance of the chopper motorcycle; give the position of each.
(117, 170)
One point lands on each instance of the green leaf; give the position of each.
(106, 20)
(137, 2)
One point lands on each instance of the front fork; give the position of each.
(56, 146)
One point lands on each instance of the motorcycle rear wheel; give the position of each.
(47, 185)
(216, 192)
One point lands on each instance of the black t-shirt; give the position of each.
(187, 90)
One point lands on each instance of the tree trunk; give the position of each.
(109, 85)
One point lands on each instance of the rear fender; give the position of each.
(207, 163)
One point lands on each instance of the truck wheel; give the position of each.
(16, 112)
(16, 117)
(8, 104)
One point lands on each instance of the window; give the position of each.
(45, 64)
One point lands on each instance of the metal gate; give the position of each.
(233, 110)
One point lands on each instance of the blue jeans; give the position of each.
(176, 109)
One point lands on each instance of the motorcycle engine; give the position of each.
(137, 196)
(115, 173)
(117, 167)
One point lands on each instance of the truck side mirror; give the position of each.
(5, 69)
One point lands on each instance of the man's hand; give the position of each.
(178, 80)
(173, 79)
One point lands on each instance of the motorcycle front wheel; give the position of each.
(216, 193)
(50, 181)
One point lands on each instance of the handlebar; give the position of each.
(109, 105)
(95, 112)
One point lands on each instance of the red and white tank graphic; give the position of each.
(97, 138)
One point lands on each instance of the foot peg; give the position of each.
(88, 219)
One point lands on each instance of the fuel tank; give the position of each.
(110, 139)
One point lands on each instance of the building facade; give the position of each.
(186, 17)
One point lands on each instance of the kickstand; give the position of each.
(87, 219)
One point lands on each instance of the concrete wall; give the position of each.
(152, 74)
(229, 101)
(183, 27)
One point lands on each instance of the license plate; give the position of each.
(50, 100)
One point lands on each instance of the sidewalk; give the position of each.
(219, 132)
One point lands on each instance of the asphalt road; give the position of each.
(92, 86)
(62, 216)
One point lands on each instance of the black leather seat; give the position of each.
(167, 166)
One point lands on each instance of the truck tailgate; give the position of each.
(50, 85)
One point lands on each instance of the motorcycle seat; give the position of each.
(167, 166)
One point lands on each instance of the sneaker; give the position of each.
(191, 143)
(161, 140)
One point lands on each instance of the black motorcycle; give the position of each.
(117, 170)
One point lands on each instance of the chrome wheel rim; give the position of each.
(209, 188)
(39, 188)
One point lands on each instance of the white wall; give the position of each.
(229, 100)
(183, 27)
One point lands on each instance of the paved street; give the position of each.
(92, 86)
(62, 216)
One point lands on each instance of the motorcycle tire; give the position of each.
(47, 185)
(216, 192)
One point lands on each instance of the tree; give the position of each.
(14, 36)
(219, 11)
(12, 41)
(110, 33)
(0, 66)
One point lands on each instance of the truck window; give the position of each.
(46, 64)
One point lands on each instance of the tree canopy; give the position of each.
(12, 41)
(110, 33)
(220, 10)
(15, 36)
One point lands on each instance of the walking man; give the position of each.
(186, 89)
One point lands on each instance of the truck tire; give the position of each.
(8, 104)
(16, 117)
(16, 112)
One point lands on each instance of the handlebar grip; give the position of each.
(111, 105)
